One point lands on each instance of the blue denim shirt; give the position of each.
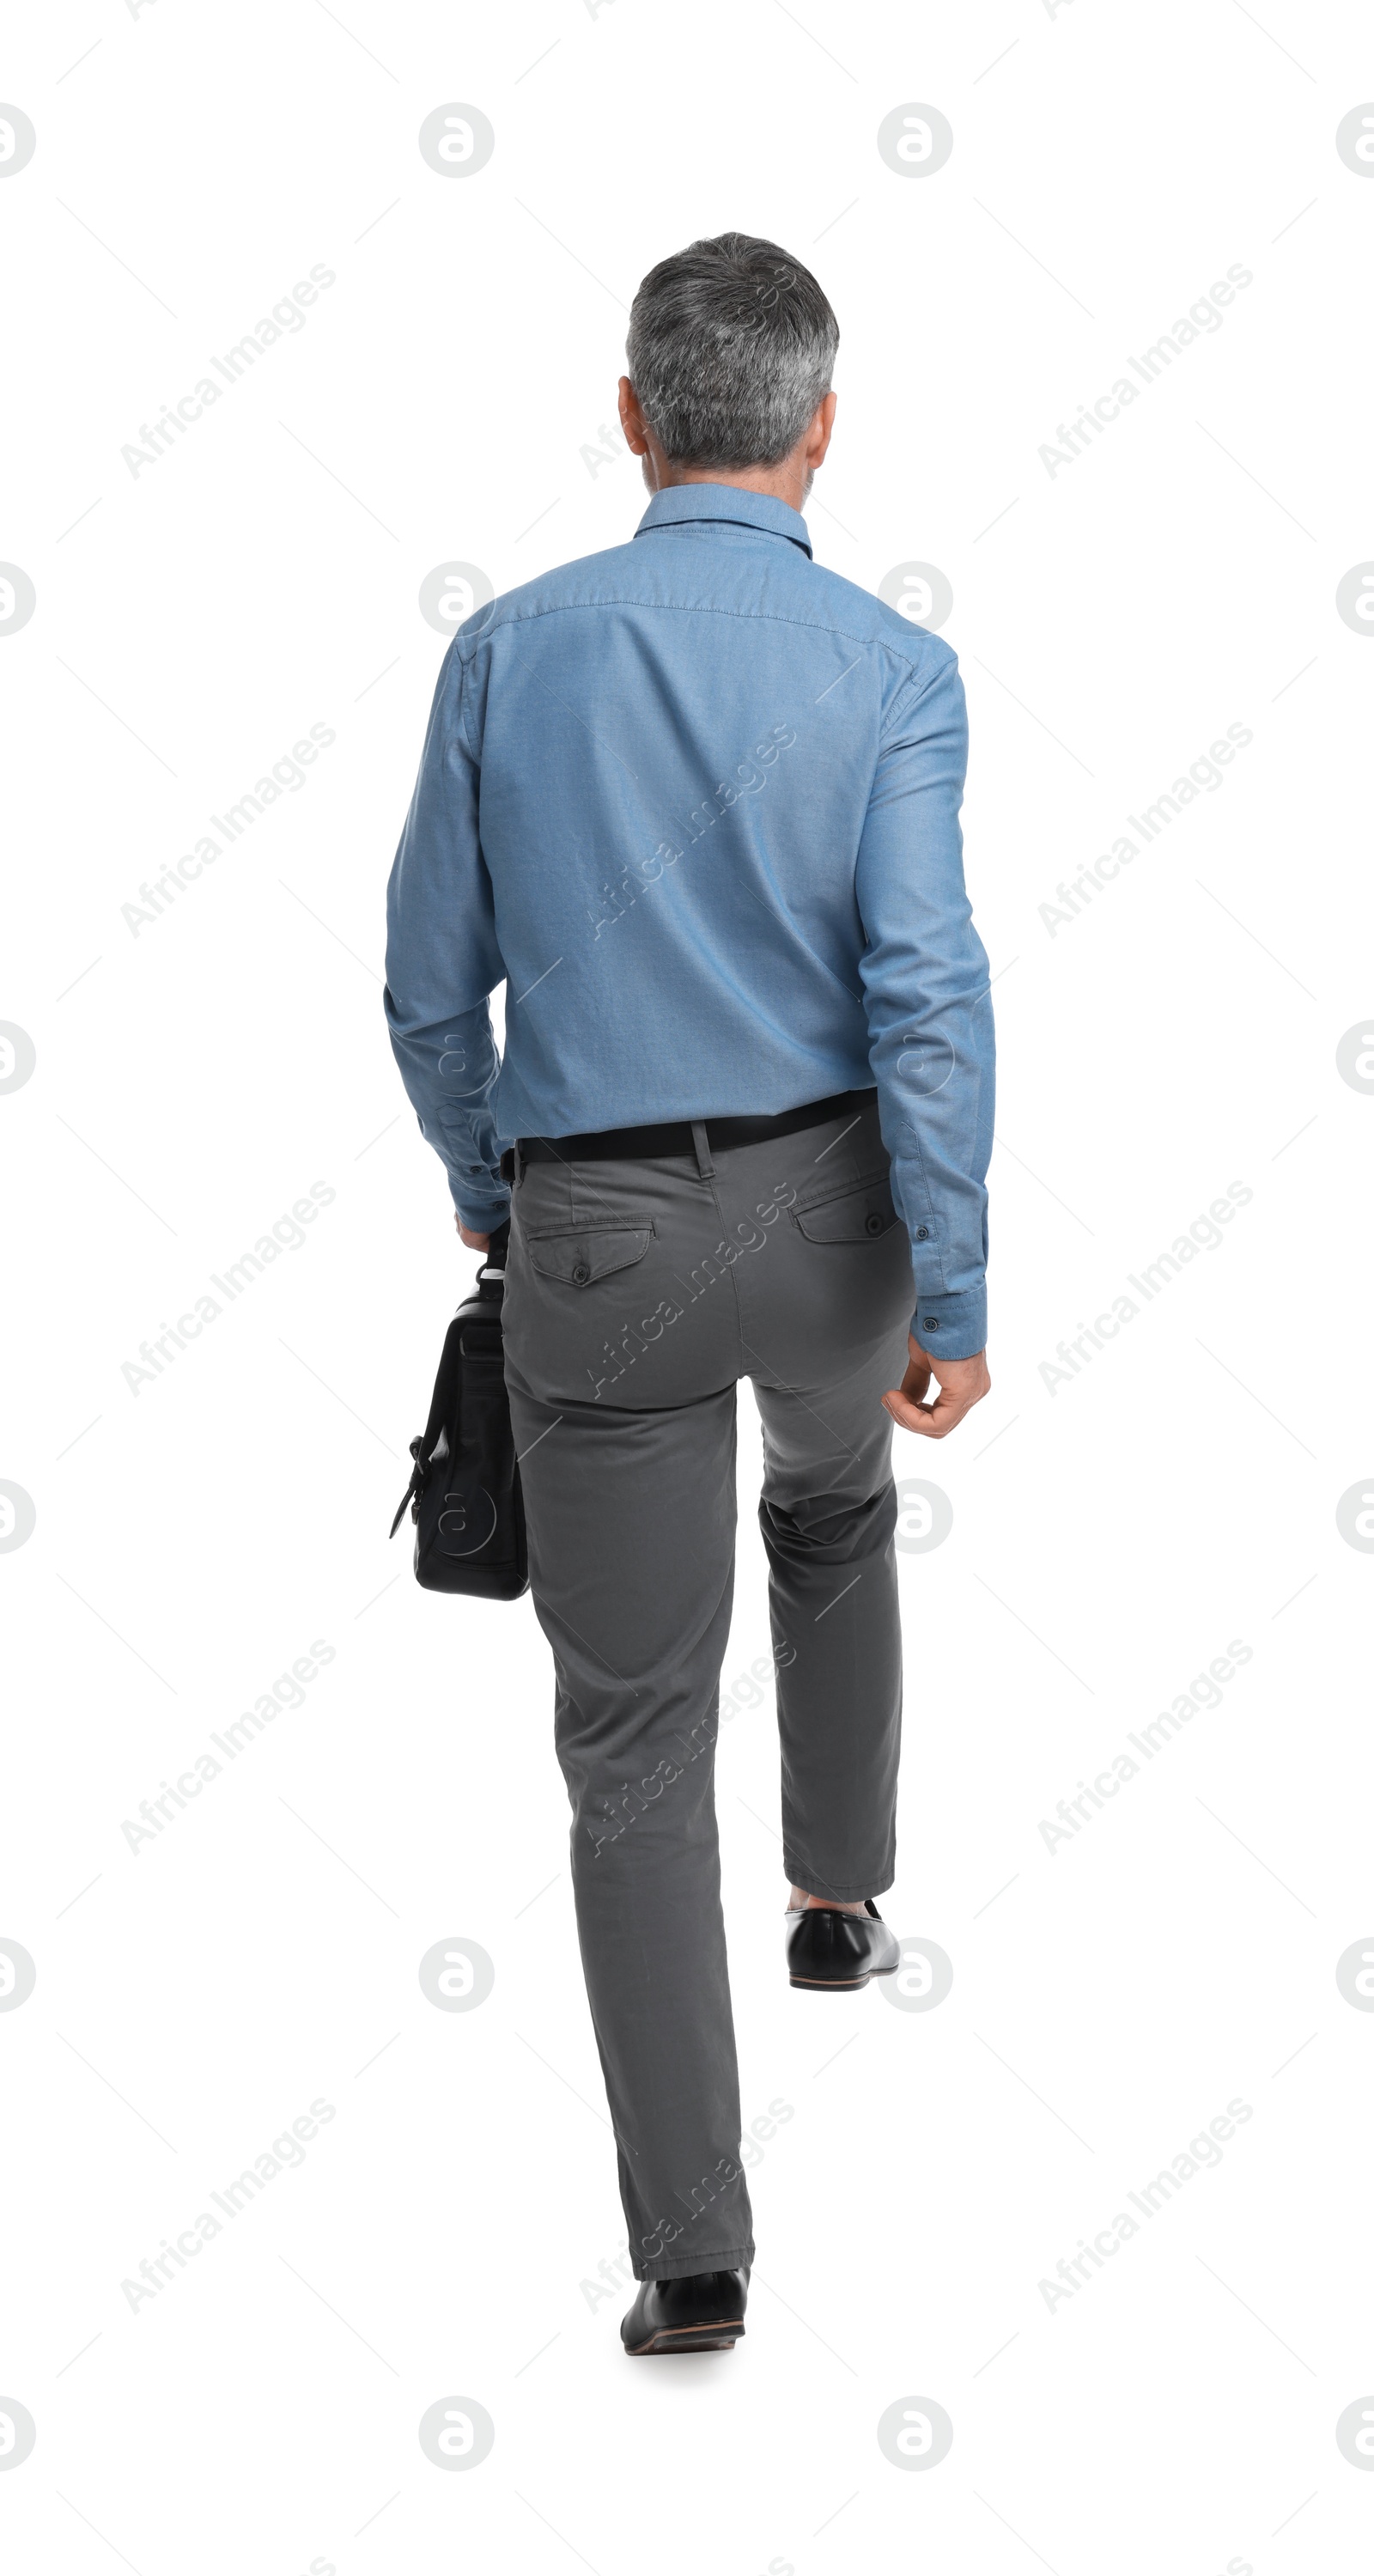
(695, 802)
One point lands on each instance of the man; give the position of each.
(694, 801)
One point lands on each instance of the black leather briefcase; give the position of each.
(464, 1493)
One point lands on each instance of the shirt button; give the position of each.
(581, 1275)
(931, 1324)
(921, 1232)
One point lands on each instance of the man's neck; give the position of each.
(777, 482)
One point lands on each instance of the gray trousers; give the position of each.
(637, 1294)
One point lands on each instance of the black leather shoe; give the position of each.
(826, 1947)
(701, 2312)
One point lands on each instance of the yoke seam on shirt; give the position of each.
(698, 608)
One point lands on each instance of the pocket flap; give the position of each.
(859, 1214)
(589, 1254)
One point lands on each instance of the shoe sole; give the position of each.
(843, 1985)
(720, 2336)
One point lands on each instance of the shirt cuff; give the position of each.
(480, 1211)
(952, 1328)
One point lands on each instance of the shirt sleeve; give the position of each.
(442, 962)
(925, 981)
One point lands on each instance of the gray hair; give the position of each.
(730, 350)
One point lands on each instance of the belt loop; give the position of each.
(517, 1163)
(705, 1166)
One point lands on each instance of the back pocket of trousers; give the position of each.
(579, 1256)
(858, 1212)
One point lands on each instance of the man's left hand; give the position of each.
(474, 1242)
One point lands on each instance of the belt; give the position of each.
(617, 1144)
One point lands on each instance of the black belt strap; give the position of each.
(623, 1144)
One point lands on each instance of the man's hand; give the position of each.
(961, 1382)
(474, 1242)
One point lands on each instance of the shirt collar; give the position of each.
(725, 501)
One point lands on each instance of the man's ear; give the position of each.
(631, 418)
(818, 436)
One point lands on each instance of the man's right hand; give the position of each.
(962, 1384)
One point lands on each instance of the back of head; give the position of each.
(730, 350)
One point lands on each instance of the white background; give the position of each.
(1110, 1537)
